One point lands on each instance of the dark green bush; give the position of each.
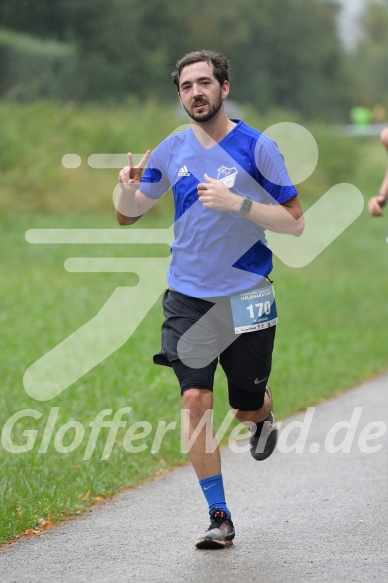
(31, 68)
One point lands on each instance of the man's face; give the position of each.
(200, 92)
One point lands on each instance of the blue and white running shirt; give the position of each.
(217, 253)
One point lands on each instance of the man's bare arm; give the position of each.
(378, 202)
(130, 203)
(281, 218)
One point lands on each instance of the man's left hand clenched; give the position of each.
(215, 195)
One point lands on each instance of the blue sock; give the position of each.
(213, 490)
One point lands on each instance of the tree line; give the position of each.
(284, 54)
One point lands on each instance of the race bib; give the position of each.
(254, 309)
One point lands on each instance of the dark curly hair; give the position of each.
(217, 60)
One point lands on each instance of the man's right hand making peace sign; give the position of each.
(130, 203)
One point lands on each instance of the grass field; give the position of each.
(331, 335)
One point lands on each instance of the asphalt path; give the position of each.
(316, 510)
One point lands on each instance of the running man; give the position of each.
(377, 203)
(229, 184)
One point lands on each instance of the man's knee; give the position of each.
(197, 402)
(254, 414)
(246, 416)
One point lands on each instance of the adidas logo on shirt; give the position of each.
(184, 171)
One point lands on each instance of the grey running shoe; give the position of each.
(220, 533)
(263, 445)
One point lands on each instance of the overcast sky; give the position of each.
(351, 9)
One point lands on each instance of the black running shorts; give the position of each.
(198, 333)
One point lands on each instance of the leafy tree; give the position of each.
(283, 54)
(369, 62)
(41, 18)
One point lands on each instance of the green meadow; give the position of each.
(332, 313)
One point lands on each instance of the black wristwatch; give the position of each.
(246, 205)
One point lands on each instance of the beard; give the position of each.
(203, 117)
